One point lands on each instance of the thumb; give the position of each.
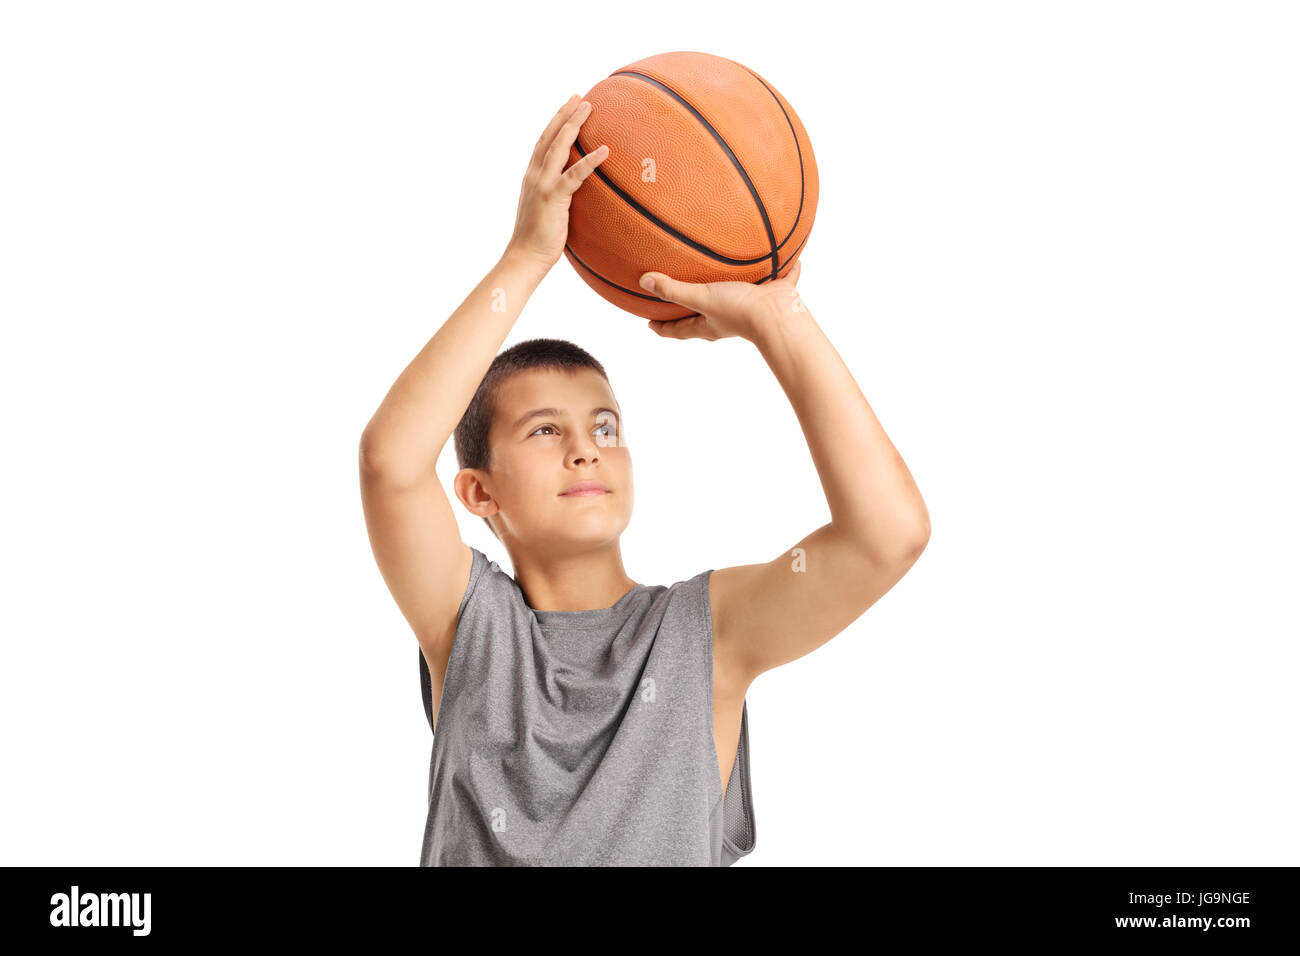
(689, 294)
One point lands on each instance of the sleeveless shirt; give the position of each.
(582, 738)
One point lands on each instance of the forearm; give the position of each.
(868, 487)
(407, 433)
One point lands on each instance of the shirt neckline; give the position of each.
(591, 618)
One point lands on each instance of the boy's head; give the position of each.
(514, 467)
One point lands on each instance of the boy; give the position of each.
(581, 717)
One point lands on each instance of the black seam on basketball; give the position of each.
(639, 295)
(682, 237)
(700, 247)
(798, 151)
(794, 255)
(655, 298)
(735, 161)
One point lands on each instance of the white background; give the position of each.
(1056, 244)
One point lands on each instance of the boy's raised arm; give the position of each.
(770, 613)
(406, 434)
(413, 531)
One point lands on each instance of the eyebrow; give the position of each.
(541, 412)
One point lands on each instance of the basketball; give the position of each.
(710, 177)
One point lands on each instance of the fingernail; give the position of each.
(648, 283)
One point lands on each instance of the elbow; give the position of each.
(919, 536)
(371, 457)
(390, 465)
(896, 547)
(922, 535)
(366, 454)
(910, 541)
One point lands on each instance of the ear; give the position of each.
(473, 494)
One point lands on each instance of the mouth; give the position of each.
(584, 488)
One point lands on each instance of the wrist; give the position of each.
(526, 262)
(775, 324)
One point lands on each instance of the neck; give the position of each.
(582, 581)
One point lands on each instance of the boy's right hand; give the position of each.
(542, 222)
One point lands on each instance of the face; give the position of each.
(536, 458)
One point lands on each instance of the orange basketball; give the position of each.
(710, 177)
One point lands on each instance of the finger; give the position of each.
(575, 174)
(693, 295)
(553, 127)
(687, 328)
(793, 274)
(558, 154)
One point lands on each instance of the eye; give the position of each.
(612, 429)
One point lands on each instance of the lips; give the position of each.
(583, 488)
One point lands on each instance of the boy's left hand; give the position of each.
(725, 308)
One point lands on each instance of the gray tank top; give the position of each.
(582, 738)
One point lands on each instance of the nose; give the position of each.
(583, 451)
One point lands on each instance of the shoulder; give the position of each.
(729, 677)
(698, 603)
(489, 585)
(687, 600)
